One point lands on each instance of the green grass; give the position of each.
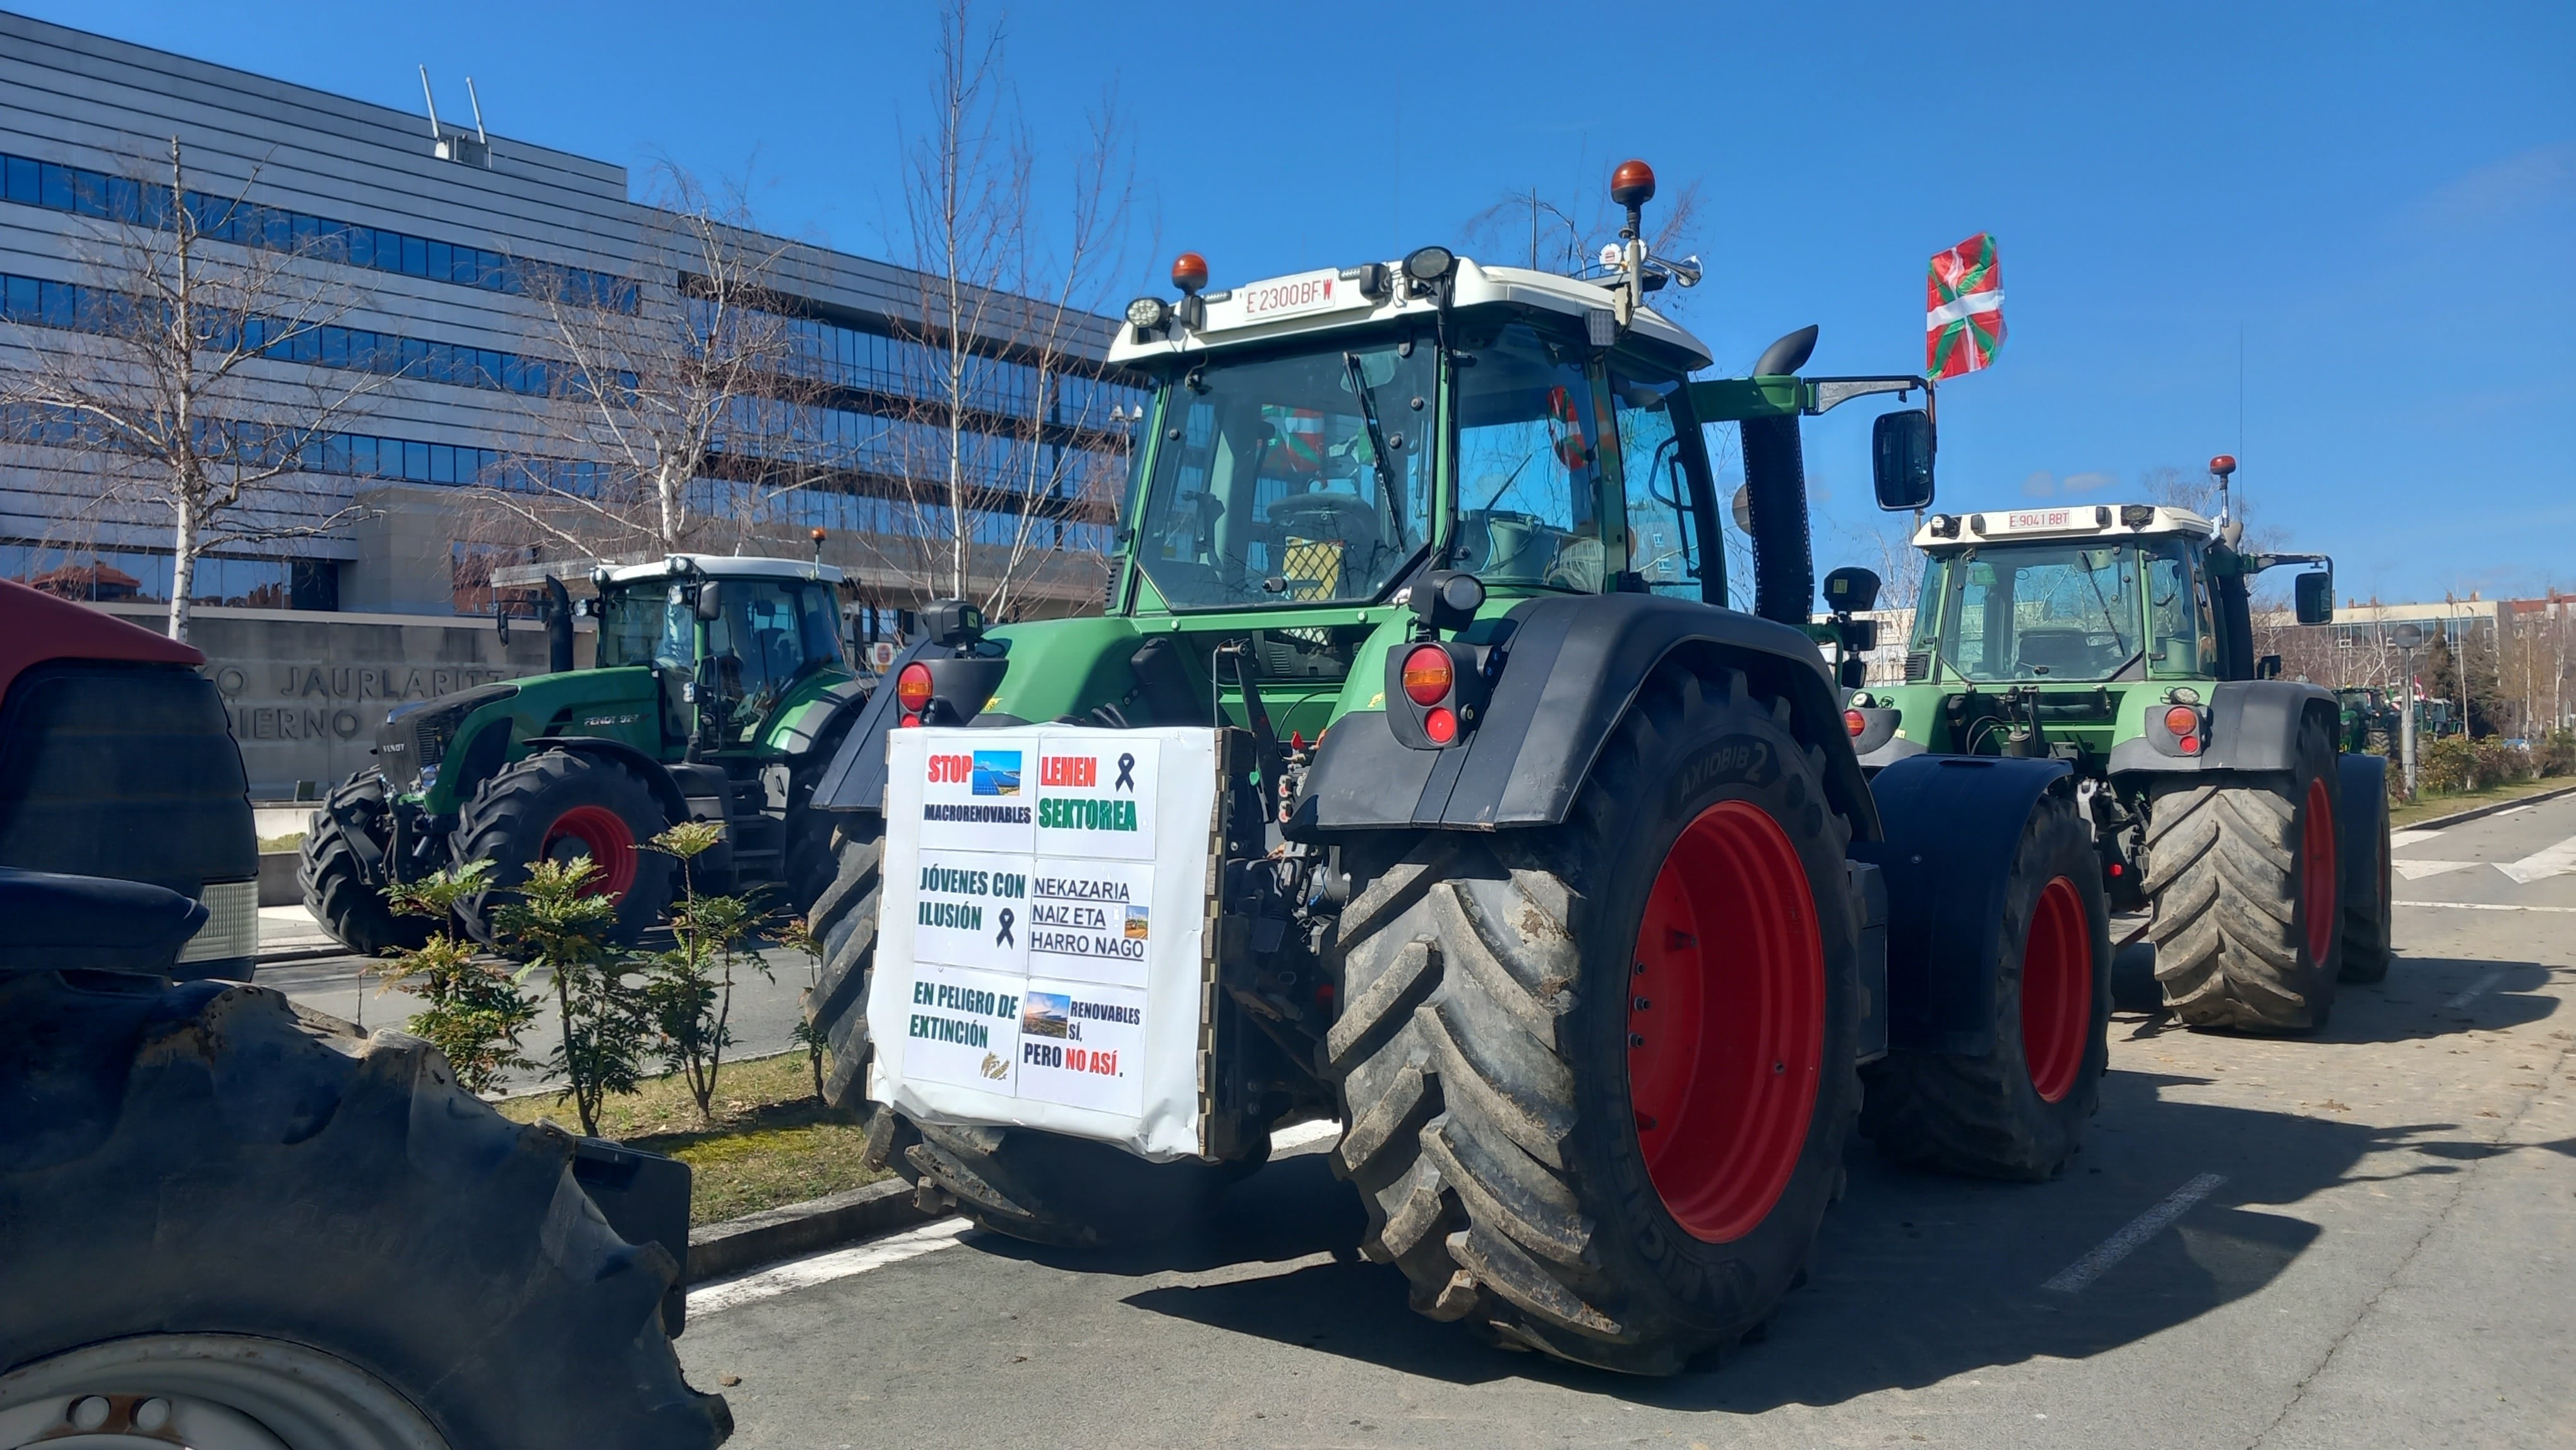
(773, 1141)
(273, 845)
(2442, 803)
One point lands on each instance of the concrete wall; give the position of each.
(306, 691)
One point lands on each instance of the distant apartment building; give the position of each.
(436, 235)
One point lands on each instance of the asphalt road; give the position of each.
(2363, 1237)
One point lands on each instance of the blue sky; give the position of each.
(2380, 201)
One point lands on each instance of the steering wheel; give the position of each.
(1345, 517)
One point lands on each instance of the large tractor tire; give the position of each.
(2243, 881)
(2019, 1110)
(2368, 894)
(230, 1215)
(1597, 1078)
(336, 893)
(1041, 1187)
(558, 805)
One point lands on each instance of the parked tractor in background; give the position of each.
(2371, 725)
(228, 1220)
(1552, 878)
(2221, 799)
(717, 691)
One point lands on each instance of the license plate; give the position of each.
(2040, 519)
(1289, 296)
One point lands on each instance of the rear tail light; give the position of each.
(1855, 722)
(912, 691)
(2183, 722)
(1428, 675)
(1434, 693)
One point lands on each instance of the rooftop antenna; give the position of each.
(486, 138)
(433, 103)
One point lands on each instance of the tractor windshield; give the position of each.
(1291, 478)
(2035, 611)
(646, 623)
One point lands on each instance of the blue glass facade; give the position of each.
(83, 192)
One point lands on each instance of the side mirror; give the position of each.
(2313, 594)
(1851, 590)
(1901, 445)
(710, 604)
(2268, 668)
(1852, 673)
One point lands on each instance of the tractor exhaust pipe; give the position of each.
(1775, 488)
(1775, 482)
(558, 628)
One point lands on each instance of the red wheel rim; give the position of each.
(603, 836)
(1726, 1021)
(2317, 886)
(2056, 990)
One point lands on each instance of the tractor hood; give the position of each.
(411, 746)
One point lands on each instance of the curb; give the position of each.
(2493, 808)
(722, 1250)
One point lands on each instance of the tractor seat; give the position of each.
(2061, 652)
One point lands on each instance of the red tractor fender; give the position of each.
(36, 627)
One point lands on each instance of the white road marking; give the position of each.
(2418, 870)
(2489, 906)
(2476, 989)
(2118, 1246)
(823, 1268)
(2558, 860)
(2409, 838)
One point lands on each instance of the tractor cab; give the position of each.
(729, 641)
(1318, 438)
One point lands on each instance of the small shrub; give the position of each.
(2448, 763)
(2557, 753)
(557, 925)
(688, 990)
(473, 1010)
(798, 936)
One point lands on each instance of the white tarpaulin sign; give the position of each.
(1043, 936)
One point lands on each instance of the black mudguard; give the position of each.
(856, 778)
(847, 699)
(2253, 725)
(1951, 824)
(1571, 670)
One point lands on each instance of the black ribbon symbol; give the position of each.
(1003, 938)
(1126, 772)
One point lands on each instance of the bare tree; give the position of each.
(683, 405)
(177, 375)
(1565, 232)
(996, 451)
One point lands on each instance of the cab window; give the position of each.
(2181, 642)
(1529, 467)
(767, 635)
(1662, 529)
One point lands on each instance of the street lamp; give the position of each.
(2408, 638)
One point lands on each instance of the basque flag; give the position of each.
(1963, 318)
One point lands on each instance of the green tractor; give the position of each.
(718, 691)
(1552, 879)
(2370, 723)
(2222, 799)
